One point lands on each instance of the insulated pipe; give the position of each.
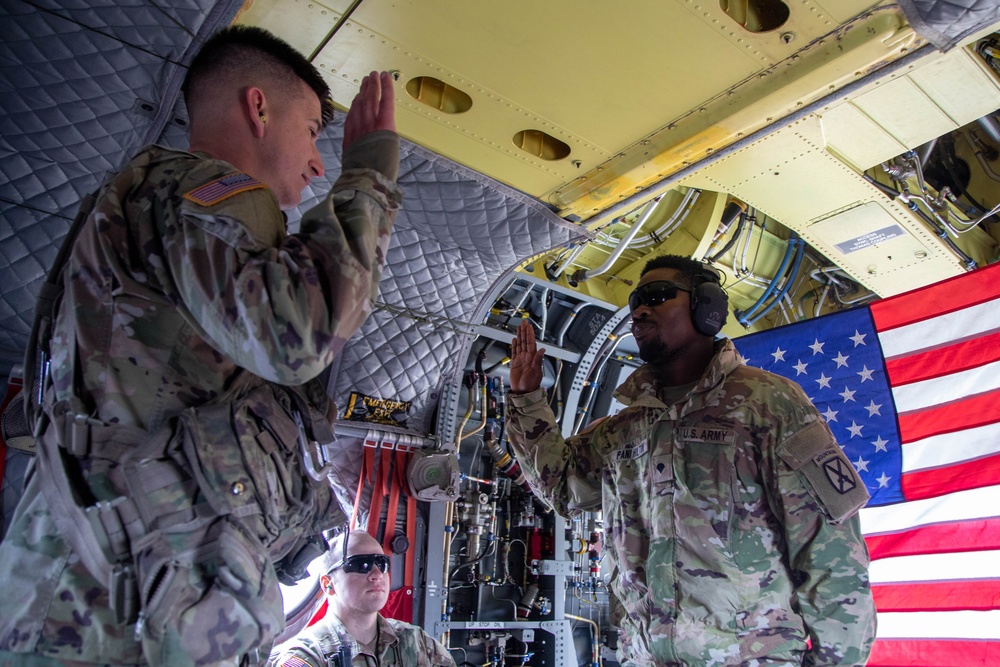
(990, 127)
(742, 316)
(799, 252)
(569, 321)
(732, 239)
(586, 274)
(569, 260)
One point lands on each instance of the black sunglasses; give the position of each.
(363, 563)
(654, 293)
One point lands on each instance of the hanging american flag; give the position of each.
(910, 387)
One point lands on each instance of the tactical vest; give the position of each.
(212, 499)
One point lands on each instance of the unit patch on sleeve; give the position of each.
(220, 189)
(839, 472)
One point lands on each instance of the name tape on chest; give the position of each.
(632, 452)
(223, 188)
(709, 434)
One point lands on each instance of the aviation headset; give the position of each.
(709, 302)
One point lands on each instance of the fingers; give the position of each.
(372, 109)
(524, 341)
(387, 103)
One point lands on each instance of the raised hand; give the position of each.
(373, 108)
(525, 360)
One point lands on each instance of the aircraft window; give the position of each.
(296, 598)
(757, 15)
(438, 95)
(540, 144)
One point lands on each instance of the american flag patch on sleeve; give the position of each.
(212, 193)
(293, 661)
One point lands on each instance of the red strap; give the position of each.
(411, 530)
(390, 520)
(378, 492)
(367, 459)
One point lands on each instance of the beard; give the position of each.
(655, 351)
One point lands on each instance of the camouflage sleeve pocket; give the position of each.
(825, 471)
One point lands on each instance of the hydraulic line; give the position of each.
(545, 314)
(666, 229)
(595, 659)
(742, 255)
(799, 245)
(732, 239)
(569, 321)
(743, 316)
(600, 362)
(569, 260)
(970, 263)
(586, 274)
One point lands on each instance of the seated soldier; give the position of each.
(357, 586)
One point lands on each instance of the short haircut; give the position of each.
(247, 54)
(697, 272)
(335, 554)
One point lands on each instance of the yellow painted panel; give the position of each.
(905, 112)
(610, 74)
(790, 178)
(855, 137)
(301, 23)
(842, 10)
(960, 86)
(890, 265)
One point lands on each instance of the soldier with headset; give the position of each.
(734, 543)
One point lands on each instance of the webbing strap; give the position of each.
(84, 529)
(378, 492)
(367, 465)
(411, 527)
(390, 519)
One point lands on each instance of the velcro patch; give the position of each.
(223, 188)
(838, 471)
(831, 479)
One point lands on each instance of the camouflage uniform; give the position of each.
(731, 514)
(182, 283)
(399, 645)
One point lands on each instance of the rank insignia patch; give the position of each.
(220, 189)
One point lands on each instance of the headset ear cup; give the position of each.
(709, 308)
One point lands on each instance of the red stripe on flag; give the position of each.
(943, 361)
(979, 595)
(936, 652)
(960, 536)
(936, 482)
(971, 412)
(938, 299)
